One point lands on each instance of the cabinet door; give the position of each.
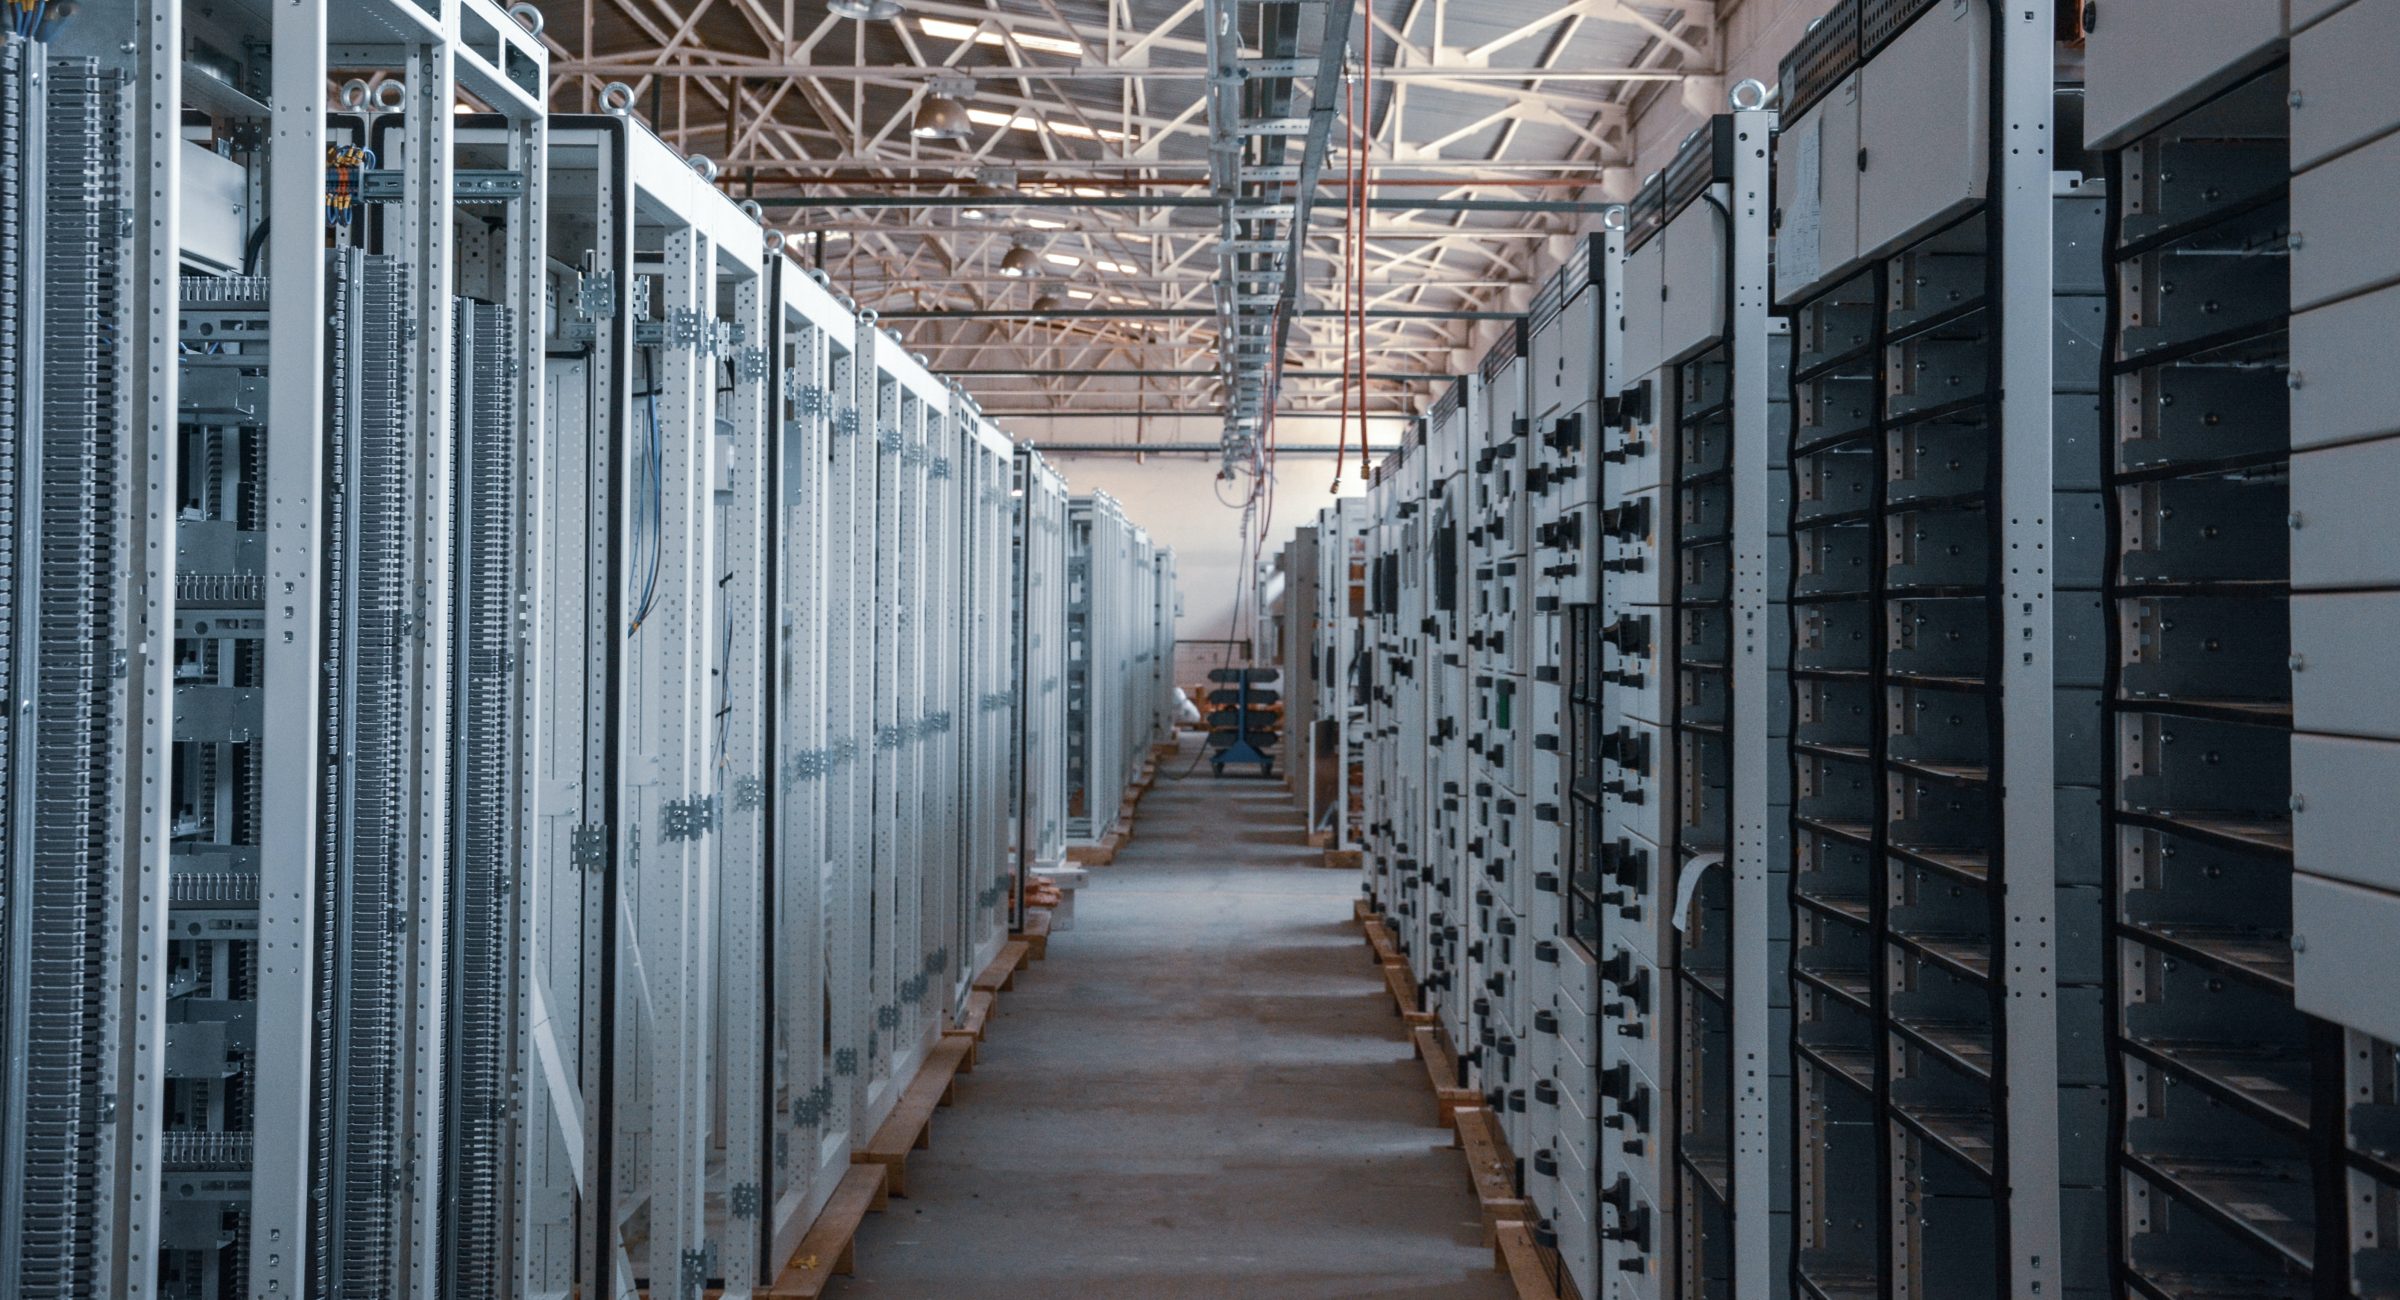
(2341, 954)
(2348, 389)
(2342, 642)
(1923, 120)
(1645, 275)
(2343, 537)
(2341, 81)
(1816, 194)
(2147, 60)
(2334, 253)
(1693, 314)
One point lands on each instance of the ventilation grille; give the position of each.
(1586, 263)
(1505, 349)
(1447, 404)
(1647, 214)
(1705, 159)
(1822, 58)
(1547, 301)
(1881, 20)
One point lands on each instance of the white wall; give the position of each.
(1757, 34)
(1175, 498)
(1756, 37)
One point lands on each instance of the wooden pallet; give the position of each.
(1036, 934)
(831, 1247)
(910, 1125)
(1514, 1250)
(1102, 851)
(1441, 1069)
(969, 1027)
(1343, 859)
(1491, 1169)
(1403, 984)
(975, 1021)
(1476, 1131)
(1001, 975)
(1379, 941)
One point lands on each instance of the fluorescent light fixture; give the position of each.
(1045, 223)
(1080, 295)
(942, 29)
(1062, 259)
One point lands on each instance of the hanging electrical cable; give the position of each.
(653, 463)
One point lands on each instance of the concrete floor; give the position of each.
(1203, 1092)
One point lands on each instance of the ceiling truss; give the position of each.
(1102, 116)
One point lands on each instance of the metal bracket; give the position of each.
(807, 765)
(698, 1266)
(596, 295)
(689, 819)
(741, 1200)
(748, 792)
(468, 185)
(753, 363)
(846, 424)
(589, 847)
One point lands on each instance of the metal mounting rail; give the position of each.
(1265, 196)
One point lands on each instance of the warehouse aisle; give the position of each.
(1202, 1093)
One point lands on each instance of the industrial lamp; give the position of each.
(939, 114)
(1019, 263)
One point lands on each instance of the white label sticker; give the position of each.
(1804, 217)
